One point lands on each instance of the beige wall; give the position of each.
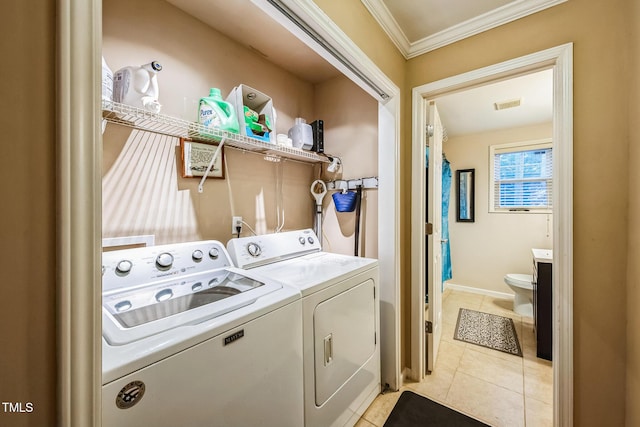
(351, 120)
(27, 217)
(195, 58)
(633, 270)
(144, 192)
(354, 19)
(497, 243)
(601, 77)
(148, 196)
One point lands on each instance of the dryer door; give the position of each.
(344, 337)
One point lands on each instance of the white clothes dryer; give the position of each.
(340, 319)
(188, 340)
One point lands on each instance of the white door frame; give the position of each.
(560, 59)
(79, 340)
(79, 209)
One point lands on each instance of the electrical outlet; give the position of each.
(235, 223)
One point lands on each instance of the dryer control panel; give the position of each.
(254, 251)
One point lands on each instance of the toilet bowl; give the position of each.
(522, 285)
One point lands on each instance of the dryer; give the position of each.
(340, 319)
(189, 340)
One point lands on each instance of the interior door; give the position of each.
(433, 268)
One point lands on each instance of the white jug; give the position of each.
(138, 86)
(301, 134)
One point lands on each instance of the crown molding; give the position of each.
(492, 19)
(385, 19)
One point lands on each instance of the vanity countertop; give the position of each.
(542, 255)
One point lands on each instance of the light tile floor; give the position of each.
(497, 388)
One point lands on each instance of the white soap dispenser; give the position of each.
(301, 134)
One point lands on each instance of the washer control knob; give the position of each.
(197, 255)
(254, 249)
(310, 240)
(301, 240)
(124, 266)
(164, 260)
(213, 253)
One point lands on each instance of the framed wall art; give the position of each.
(465, 202)
(196, 157)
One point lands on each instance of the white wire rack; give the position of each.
(138, 118)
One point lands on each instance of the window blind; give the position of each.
(523, 179)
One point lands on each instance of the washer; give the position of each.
(188, 340)
(340, 319)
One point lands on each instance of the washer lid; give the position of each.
(135, 313)
(143, 305)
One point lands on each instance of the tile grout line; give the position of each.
(486, 302)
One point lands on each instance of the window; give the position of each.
(522, 177)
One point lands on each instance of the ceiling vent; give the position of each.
(507, 104)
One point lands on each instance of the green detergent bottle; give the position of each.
(216, 113)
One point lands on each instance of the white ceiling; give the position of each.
(419, 26)
(462, 113)
(472, 111)
(245, 23)
(428, 17)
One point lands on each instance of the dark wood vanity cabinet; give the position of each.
(543, 307)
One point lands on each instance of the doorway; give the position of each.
(559, 59)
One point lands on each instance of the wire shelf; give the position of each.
(138, 118)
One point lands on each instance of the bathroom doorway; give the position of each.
(558, 60)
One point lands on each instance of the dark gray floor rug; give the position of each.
(487, 330)
(414, 410)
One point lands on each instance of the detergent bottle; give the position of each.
(215, 113)
(138, 86)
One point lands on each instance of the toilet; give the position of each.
(522, 285)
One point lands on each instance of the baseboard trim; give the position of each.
(495, 294)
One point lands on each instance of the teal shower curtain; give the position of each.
(446, 197)
(446, 245)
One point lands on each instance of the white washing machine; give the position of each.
(188, 340)
(340, 319)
